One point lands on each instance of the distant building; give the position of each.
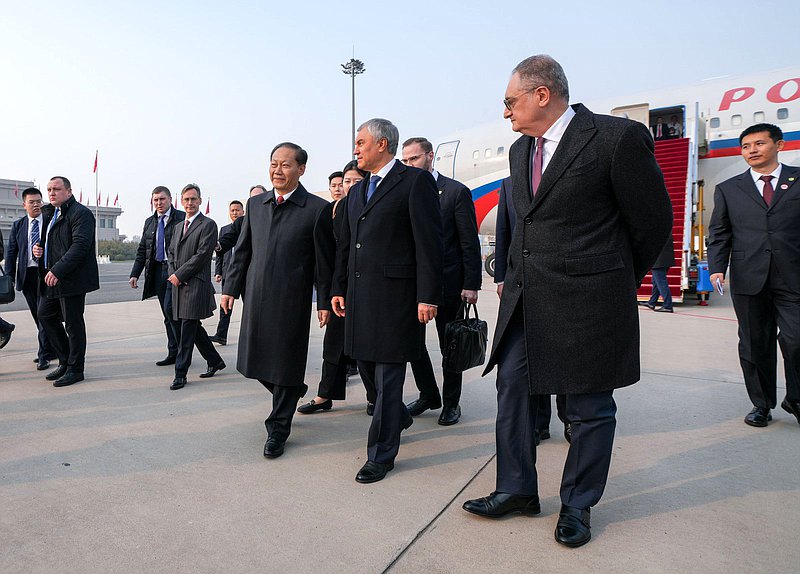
(11, 210)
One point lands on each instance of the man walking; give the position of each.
(221, 268)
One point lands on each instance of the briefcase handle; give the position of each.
(463, 310)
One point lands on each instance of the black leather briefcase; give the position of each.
(6, 288)
(465, 339)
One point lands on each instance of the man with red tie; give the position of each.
(756, 225)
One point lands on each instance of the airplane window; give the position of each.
(714, 122)
(476, 154)
(487, 153)
(783, 113)
(759, 117)
(501, 150)
(736, 120)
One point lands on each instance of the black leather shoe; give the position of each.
(370, 409)
(166, 361)
(419, 406)
(5, 336)
(647, 304)
(758, 417)
(573, 528)
(498, 504)
(218, 340)
(69, 378)
(177, 383)
(450, 415)
(312, 407)
(273, 448)
(568, 432)
(664, 310)
(42, 365)
(211, 371)
(57, 373)
(373, 472)
(352, 370)
(792, 407)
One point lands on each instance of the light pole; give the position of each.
(353, 68)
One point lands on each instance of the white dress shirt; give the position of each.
(31, 261)
(553, 136)
(776, 175)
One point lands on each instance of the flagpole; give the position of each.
(96, 208)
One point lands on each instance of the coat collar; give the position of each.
(392, 178)
(298, 197)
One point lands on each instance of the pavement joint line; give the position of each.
(675, 376)
(428, 526)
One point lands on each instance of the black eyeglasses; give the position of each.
(509, 102)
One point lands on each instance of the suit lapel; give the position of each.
(192, 226)
(789, 177)
(521, 184)
(580, 130)
(440, 183)
(748, 187)
(392, 179)
(22, 240)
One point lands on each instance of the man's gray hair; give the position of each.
(379, 129)
(189, 186)
(543, 70)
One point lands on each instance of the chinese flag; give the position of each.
(208, 207)
(116, 199)
(95, 162)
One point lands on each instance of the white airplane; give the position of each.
(711, 115)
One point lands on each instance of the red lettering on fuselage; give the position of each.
(735, 95)
(774, 93)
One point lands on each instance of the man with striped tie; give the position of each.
(23, 266)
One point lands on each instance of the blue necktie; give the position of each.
(373, 185)
(160, 240)
(47, 240)
(34, 236)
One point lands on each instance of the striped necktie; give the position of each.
(34, 236)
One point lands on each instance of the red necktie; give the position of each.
(185, 226)
(536, 176)
(768, 189)
(280, 199)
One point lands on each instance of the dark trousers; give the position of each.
(192, 333)
(423, 368)
(333, 384)
(661, 287)
(224, 321)
(391, 415)
(544, 411)
(67, 340)
(760, 316)
(30, 289)
(284, 403)
(593, 422)
(165, 302)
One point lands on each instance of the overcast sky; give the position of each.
(179, 92)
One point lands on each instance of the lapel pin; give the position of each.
(784, 186)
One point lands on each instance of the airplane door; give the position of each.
(636, 112)
(445, 158)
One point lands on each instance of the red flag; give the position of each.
(107, 198)
(208, 207)
(116, 200)
(81, 198)
(95, 162)
(16, 191)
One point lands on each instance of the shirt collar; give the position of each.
(555, 132)
(385, 169)
(776, 175)
(435, 175)
(286, 196)
(192, 218)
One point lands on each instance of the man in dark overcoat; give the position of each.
(190, 253)
(151, 257)
(592, 214)
(222, 265)
(68, 263)
(462, 274)
(756, 227)
(275, 261)
(388, 280)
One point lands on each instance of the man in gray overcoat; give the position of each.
(190, 253)
(275, 262)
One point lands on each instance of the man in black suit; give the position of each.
(276, 259)
(151, 257)
(592, 214)
(221, 267)
(189, 255)
(504, 230)
(227, 240)
(24, 267)
(6, 328)
(68, 262)
(461, 277)
(756, 225)
(389, 273)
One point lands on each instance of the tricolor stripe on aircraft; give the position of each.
(485, 198)
(730, 147)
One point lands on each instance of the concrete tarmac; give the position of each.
(120, 474)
